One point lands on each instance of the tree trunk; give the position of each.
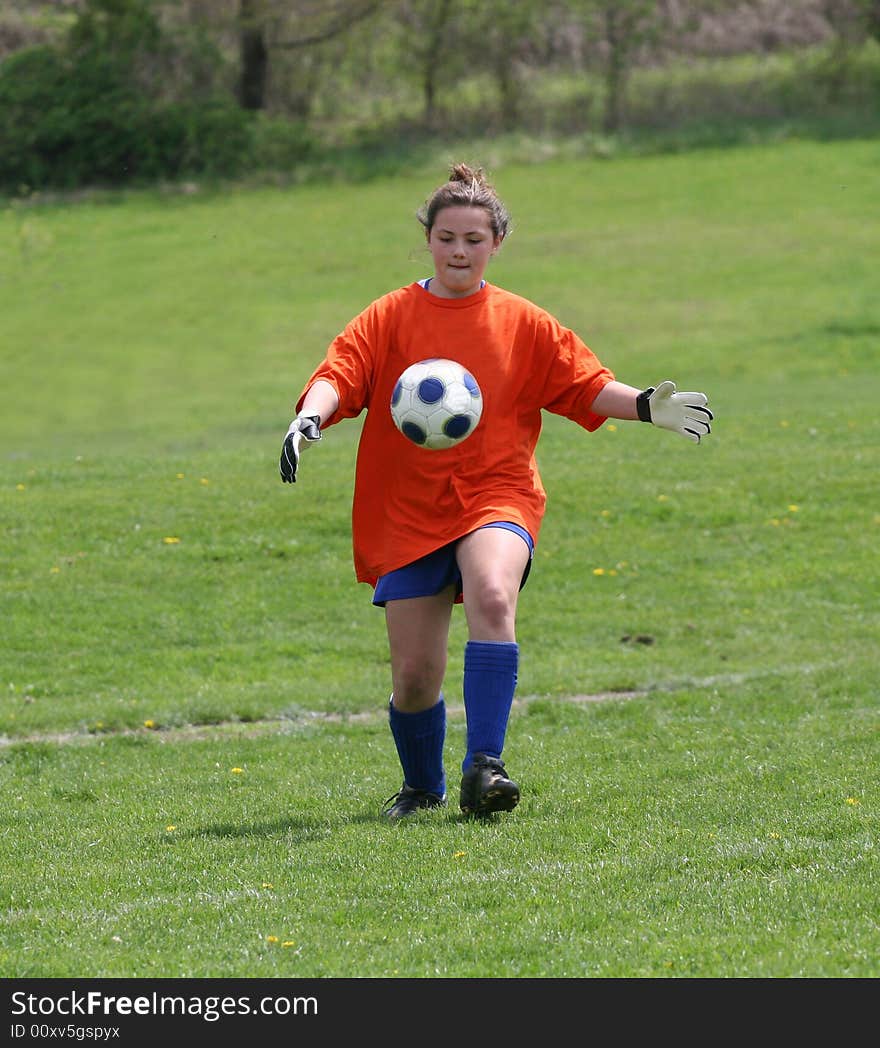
(508, 89)
(254, 57)
(872, 19)
(615, 70)
(434, 55)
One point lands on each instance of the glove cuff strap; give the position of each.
(643, 404)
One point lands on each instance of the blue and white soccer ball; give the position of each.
(436, 403)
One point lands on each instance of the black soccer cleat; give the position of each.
(408, 801)
(486, 787)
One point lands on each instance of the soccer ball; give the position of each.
(436, 403)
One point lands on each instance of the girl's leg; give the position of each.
(418, 635)
(492, 563)
(418, 632)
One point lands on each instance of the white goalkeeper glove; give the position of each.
(684, 413)
(304, 431)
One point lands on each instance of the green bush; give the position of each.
(105, 108)
(31, 85)
(68, 124)
(280, 145)
(208, 138)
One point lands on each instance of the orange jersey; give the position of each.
(409, 500)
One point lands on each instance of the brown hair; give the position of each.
(467, 187)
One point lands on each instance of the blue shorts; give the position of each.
(435, 571)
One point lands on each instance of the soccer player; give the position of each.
(433, 528)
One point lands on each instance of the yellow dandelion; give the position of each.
(605, 513)
(288, 942)
(459, 855)
(793, 509)
(19, 487)
(204, 481)
(54, 571)
(267, 884)
(237, 771)
(170, 829)
(611, 427)
(149, 724)
(784, 423)
(598, 571)
(171, 540)
(853, 801)
(99, 725)
(271, 938)
(774, 836)
(180, 476)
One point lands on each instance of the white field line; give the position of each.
(272, 725)
(281, 724)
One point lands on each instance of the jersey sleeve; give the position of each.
(573, 376)
(349, 363)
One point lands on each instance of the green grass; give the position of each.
(702, 805)
(632, 862)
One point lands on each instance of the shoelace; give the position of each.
(494, 766)
(395, 797)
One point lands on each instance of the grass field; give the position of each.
(194, 747)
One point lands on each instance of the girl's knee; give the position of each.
(490, 607)
(417, 683)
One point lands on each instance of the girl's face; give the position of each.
(461, 242)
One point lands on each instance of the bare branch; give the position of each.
(344, 21)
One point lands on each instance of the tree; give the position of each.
(623, 29)
(265, 26)
(871, 15)
(849, 24)
(501, 35)
(427, 28)
(848, 19)
(620, 27)
(253, 54)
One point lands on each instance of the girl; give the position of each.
(432, 528)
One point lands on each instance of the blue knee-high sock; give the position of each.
(419, 738)
(490, 669)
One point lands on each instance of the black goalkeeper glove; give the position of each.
(304, 431)
(684, 413)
